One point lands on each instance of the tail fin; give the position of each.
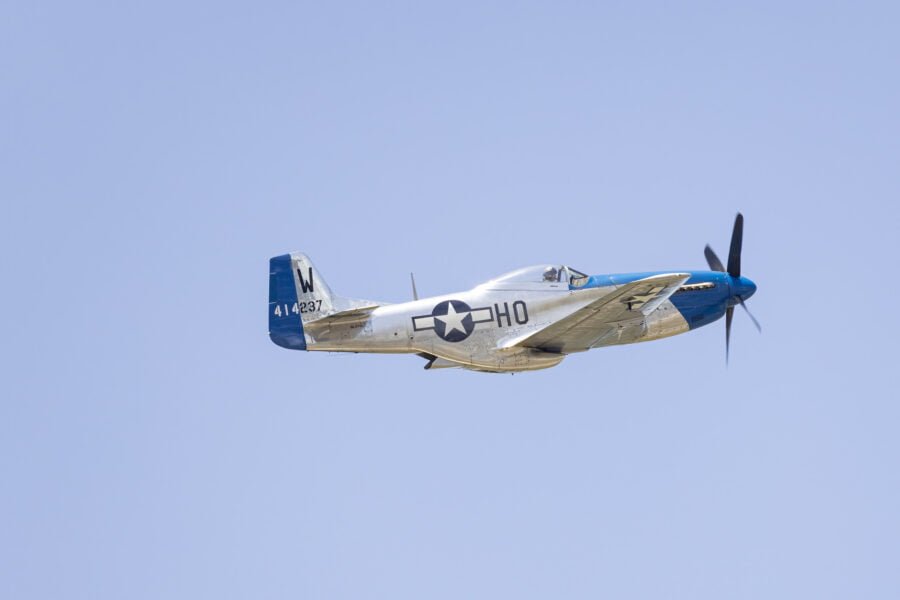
(298, 294)
(313, 294)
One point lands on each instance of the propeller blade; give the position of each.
(714, 263)
(737, 240)
(750, 314)
(729, 315)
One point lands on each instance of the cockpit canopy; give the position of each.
(543, 274)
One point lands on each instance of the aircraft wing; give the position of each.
(581, 329)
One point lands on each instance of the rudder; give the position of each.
(285, 323)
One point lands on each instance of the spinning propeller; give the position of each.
(740, 286)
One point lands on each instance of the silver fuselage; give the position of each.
(514, 310)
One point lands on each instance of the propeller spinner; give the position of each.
(741, 286)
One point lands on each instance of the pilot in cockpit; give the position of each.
(551, 274)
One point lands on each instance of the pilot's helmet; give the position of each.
(550, 274)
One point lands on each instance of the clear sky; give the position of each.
(155, 444)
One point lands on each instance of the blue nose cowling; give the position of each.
(743, 287)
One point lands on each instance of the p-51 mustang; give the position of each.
(521, 321)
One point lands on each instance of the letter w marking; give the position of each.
(304, 285)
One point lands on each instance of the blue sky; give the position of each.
(154, 443)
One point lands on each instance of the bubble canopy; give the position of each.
(546, 274)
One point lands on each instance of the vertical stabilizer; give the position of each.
(313, 294)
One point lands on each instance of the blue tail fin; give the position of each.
(285, 326)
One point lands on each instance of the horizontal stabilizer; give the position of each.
(344, 317)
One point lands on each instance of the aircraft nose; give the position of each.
(745, 288)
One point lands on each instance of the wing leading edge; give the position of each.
(581, 329)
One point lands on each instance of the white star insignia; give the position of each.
(644, 298)
(452, 320)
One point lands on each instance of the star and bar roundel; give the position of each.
(453, 320)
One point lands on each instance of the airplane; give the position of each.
(525, 320)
